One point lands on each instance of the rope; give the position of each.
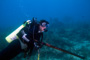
(38, 55)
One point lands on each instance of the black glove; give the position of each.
(37, 45)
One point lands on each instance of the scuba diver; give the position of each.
(25, 40)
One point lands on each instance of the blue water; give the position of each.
(68, 18)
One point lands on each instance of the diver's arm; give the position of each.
(41, 38)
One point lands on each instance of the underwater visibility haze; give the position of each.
(69, 27)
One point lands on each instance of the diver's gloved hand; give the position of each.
(37, 45)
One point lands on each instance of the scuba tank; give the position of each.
(13, 35)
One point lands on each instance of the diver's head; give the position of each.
(43, 25)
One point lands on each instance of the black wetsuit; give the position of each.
(14, 48)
